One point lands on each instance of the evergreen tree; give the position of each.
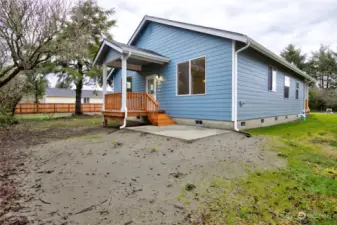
(294, 56)
(82, 35)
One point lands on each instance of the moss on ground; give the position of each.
(304, 192)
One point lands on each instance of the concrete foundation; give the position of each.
(218, 124)
(268, 121)
(229, 125)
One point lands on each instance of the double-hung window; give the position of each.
(286, 86)
(191, 77)
(297, 90)
(272, 79)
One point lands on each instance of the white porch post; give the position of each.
(124, 68)
(105, 72)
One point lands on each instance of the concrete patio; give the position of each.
(182, 132)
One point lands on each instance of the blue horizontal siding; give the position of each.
(181, 45)
(138, 81)
(253, 89)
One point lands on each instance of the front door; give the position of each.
(151, 85)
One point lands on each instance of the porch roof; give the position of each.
(110, 53)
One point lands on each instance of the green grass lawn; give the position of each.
(41, 116)
(304, 192)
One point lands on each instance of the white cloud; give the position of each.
(273, 23)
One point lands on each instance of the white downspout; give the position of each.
(104, 85)
(124, 69)
(236, 85)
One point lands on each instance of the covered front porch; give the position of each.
(121, 105)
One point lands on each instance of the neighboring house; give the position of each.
(62, 95)
(201, 75)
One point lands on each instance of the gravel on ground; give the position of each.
(125, 177)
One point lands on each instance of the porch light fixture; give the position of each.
(159, 77)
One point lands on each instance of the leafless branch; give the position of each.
(28, 33)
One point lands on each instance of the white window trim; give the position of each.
(190, 78)
(284, 85)
(297, 89)
(274, 81)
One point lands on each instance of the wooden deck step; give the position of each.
(160, 119)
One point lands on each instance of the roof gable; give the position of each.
(219, 33)
(187, 26)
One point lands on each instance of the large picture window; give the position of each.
(191, 77)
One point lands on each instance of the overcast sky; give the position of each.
(272, 23)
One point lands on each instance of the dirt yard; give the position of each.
(91, 175)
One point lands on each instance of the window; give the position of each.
(272, 79)
(198, 75)
(183, 78)
(129, 84)
(86, 100)
(286, 86)
(297, 90)
(191, 77)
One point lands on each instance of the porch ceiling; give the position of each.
(111, 52)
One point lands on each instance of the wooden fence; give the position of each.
(31, 108)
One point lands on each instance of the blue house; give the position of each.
(174, 72)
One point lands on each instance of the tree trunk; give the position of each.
(79, 86)
(78, 103)
(9, 77)
(35, 92)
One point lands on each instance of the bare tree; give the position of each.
(28, 34)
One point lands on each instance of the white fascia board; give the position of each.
(224, 34)
(277, 58)
(101, 48)
(192, 27)
(146, 55)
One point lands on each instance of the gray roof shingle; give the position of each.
(62, 92)
(125, 46)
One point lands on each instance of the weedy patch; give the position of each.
(154, 150)
(303, 192)
(190, 187)
(115, 144)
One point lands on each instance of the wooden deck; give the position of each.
(138, 104)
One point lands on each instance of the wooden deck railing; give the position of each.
(135, 101)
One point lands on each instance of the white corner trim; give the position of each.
(236, 85)
(233, 80)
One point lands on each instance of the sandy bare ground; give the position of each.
(125, 177)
